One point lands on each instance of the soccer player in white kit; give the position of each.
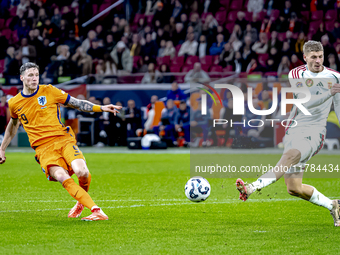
(305, 138)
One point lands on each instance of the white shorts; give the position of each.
(308, 143)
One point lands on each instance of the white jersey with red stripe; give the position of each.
(319, 85)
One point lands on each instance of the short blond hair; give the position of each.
(312, 46)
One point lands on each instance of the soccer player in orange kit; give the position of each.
(37, 108)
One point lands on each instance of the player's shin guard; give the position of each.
(85, 183)
(321, 200)
(78, 193)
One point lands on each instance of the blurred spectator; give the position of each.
(299, 45)
(211, 22)
(273, 42)
(189, 47)
(241, 21)
(63, 29)
(68, 15)
(280, 25)
(199, 125)
(202, 48)
(136, 46)
(320, 32)
(196, 23)
(168, 121)
(71, 42)
(109, 43)
(83, 61)
(224, 32)
(182, 120)
(165, 77)
(47, 51)
(271, 65)
(227, 55)
(283, 66)
(255, 6)
(176, 13)
(252, 32)
(211, 6)
(56, 18)
(235, 42)
(286, 50)
(133, 118)
(266, 99)
(152, 75)
(28, 51)
(91, 35)
(327, 49)
(254, 66)
(149, 50)
(287, 10)
(15, 64)
(261, 46)
(95, 51)
(336, 30)
(100, 32)
(10, 55)
(160, 15)
(175, 93)
(153, 100)
(333, 127)
(178, 35)
(50, 30)
(161, 48)
(246, 51)
(118, 129)
(169, 50)
(22, 29)
(161, 35)
(238, 63)
(109, 69)
(63, 52)
(184, 21)
(218, 46)
(197, 74)
(295, 62)
(122, 58)
(116, 34)
(332, 63)
(237, 31)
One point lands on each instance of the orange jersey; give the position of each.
(39, 113)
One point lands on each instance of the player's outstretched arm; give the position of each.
(86, 106)
(10, 132)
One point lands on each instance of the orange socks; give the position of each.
(85, 183)
(78, 193)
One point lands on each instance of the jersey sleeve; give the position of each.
(11, 110)
(59, 95)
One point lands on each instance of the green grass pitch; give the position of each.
(143, 195)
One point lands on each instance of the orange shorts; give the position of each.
(61, 151)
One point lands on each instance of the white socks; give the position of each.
(320, 199)
(265, 180)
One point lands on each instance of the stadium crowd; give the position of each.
(160, 39)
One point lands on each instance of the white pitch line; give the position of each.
(167, 204)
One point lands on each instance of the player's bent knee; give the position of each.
(59, 173)
(79, 168)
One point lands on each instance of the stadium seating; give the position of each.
(318, 15)
(191, 60)
(331, 15)
(2, 23)
(236, 5)
(221, 17)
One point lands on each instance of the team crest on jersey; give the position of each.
(42, 100)
(330, 85)
(299, 84)
(309, 82)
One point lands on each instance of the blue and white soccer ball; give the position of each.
(197, 189)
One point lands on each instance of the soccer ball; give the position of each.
(197, 189)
